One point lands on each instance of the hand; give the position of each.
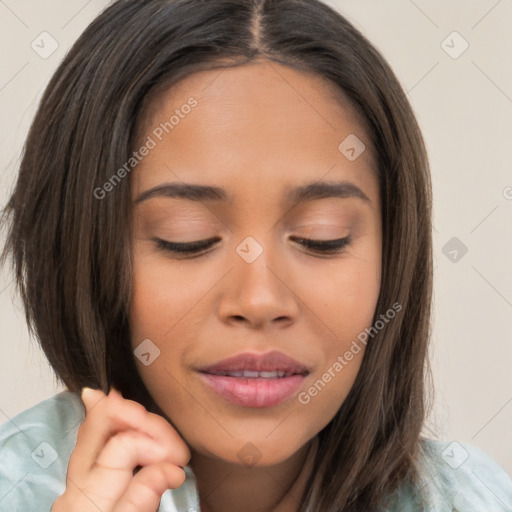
(116, 436)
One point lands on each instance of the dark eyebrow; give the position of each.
(185, 191)
(308, 192)
(325, 189)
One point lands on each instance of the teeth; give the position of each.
(251, 374)
(268, 375)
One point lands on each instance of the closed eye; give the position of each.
(182, 248)
(325, 246)
(185, 248)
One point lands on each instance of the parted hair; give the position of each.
(71, 251)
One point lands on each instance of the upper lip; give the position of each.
(268, 362)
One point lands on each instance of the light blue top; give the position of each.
(35, 447)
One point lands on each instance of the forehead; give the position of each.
(251, 125)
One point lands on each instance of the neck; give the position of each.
(228, 487)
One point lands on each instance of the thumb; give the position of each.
(90, 397)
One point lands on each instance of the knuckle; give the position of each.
(124, 439)
(128, 409)
(157, 418)
(171, 454)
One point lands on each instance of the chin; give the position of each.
(258, 453)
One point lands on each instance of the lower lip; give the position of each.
(254, 392)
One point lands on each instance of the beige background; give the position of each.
(464, 106)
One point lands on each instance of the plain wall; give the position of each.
(464, 107)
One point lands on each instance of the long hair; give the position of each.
(71, 252)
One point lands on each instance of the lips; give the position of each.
(255, 380)
(272, 364)
(250, 374)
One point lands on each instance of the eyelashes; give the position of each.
(195, 248)
(185, 248)
(324, 246)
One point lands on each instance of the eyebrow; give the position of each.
(309, 192)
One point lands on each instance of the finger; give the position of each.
(109, 414)
(130, 414)
(111, 474)
(158, 428)
(130, 448)
(148, 485)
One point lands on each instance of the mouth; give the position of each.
(250, 374)
(254, 380)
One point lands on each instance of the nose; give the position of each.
(258, 293)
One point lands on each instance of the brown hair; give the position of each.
(71, 252)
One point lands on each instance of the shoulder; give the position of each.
(35, 447)
(460, 477)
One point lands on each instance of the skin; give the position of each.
(257, 131)
(116, 437)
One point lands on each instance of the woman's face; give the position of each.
(257, 132)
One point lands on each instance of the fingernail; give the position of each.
(87, 393)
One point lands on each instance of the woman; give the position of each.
(222, 223)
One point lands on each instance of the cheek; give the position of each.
(342, 295)
(160, 309)
(162, 295)
(356, 290)
(342, 303)
(155, 308)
